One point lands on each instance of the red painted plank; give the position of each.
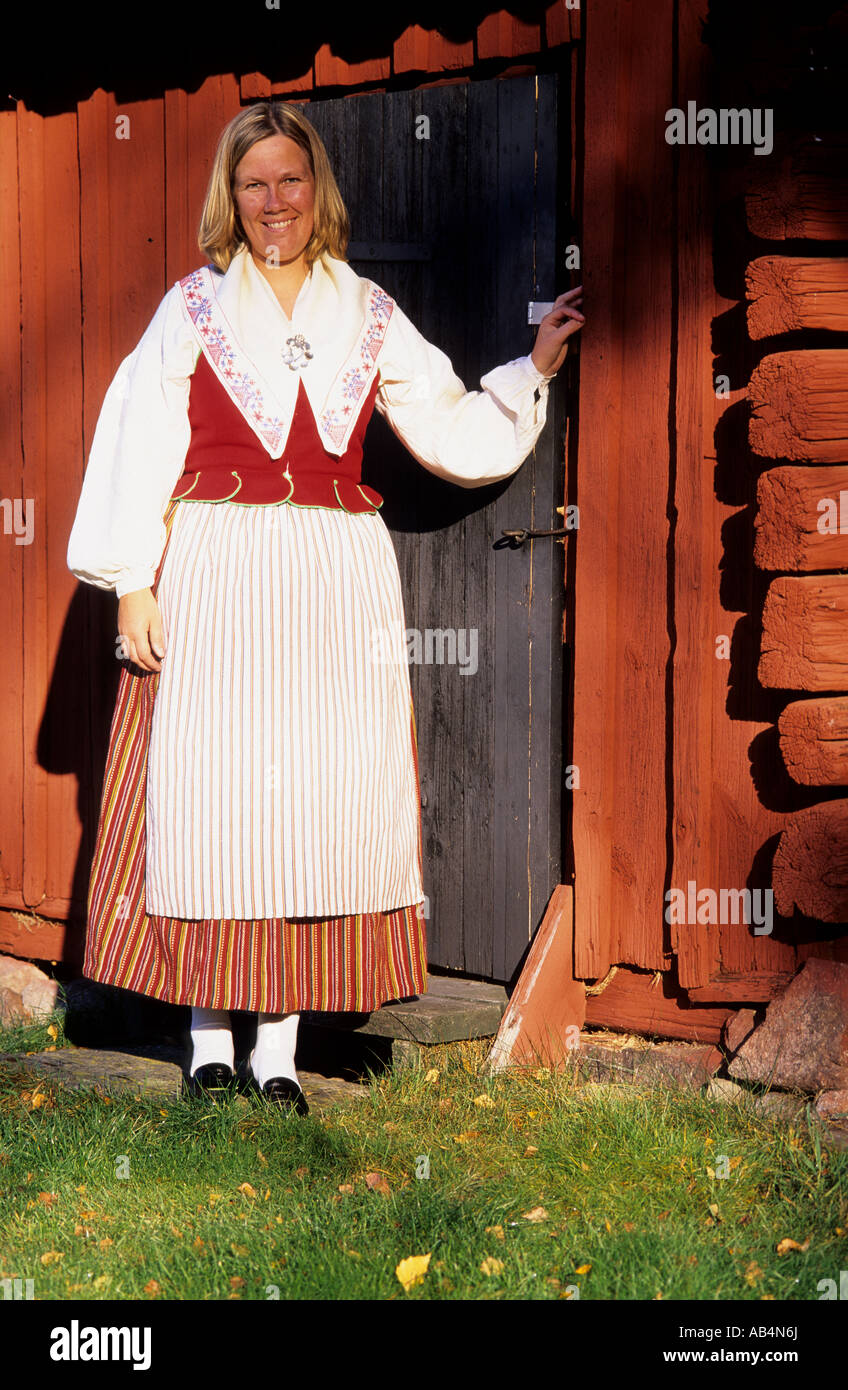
(331, 71)
(501, 35)
(621, 641)
(426, 50)
(12, 556)
(547, 1008)
(562, 25)
(193, 123)
(51, 409)
(724, 797)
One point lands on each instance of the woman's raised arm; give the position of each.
(469, 437)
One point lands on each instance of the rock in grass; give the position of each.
(802, 1042)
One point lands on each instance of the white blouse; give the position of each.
(143, 432)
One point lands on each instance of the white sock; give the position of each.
(211, 1038)
(276, 1040)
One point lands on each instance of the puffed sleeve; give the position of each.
(137, 455)
(469, 437)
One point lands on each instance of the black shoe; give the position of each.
(211, 1081)
(285, 1092)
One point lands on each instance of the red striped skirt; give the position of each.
(276, 965)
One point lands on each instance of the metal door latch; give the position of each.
(514, 539)
(536, 309)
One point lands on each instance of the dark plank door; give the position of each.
(452, 198)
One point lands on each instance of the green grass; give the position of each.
(622, 1177)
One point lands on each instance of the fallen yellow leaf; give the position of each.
(376, 1182)
(537, 1214)
(432, 1076)
(710, 1171)
(491, 1266)
(582, 1269)
(47, 1198)
(246, 1188)
(52, 1257)
(346, 1188)
(466, 1137)
(713, 1210)
(411, 1271)
(496, 1231)
(52, 1031)
(753, 1273)
(105, 1242)
(485, 1102)
(101, 1282)
(784, 1246)
(531, 1149)
(151, 1287)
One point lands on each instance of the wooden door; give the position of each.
(452, 194)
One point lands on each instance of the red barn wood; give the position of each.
(693, 703)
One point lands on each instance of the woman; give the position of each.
(259, 842)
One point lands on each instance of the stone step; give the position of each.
(151, 1071)
(452, 1010)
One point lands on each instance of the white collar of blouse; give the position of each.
(331, 311)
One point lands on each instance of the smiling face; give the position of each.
(274, 194)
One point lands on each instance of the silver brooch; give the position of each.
(297, 352)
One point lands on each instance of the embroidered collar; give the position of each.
(241, 329)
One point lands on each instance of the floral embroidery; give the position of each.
(233, 369)
(350, 385)
(225, 357)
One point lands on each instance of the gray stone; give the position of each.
(722, 1089)
(26, 993)
(780, 1105)
(738, 1027)
(452, 1010)
(833, 1106)
(685, 1065)
(12, 1011)
(802, 1043)
(149, 1074)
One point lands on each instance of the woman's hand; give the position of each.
(140, 627)
(555, 329)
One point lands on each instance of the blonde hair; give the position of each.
(220, 232)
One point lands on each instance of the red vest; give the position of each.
(227, 462)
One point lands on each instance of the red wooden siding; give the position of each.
(621, 635)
